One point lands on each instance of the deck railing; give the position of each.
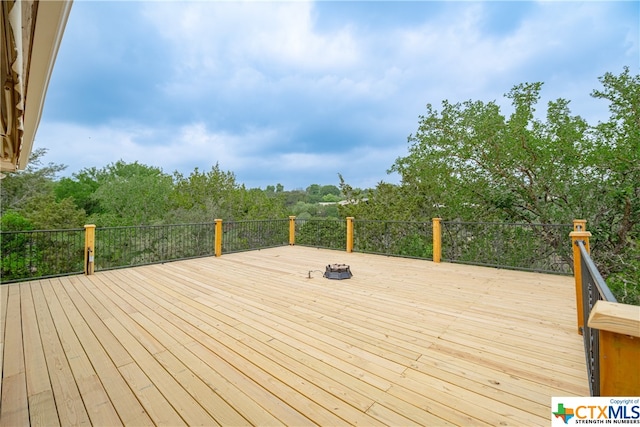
(119, 247)
(240, 236)
(593, 289)
(610, 330)
(321, 233)
(42, 253)
(532, 247)
(411, 239)
(537, 247)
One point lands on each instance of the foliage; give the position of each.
(13, 267)
(508, 245)
(385, 202)
(45, 213)
(254, 234)
(127, 246)
(31, 254)
(20, 188)
(202, 197)
(132, 194)
(624, 283)
(322, 233)
(471, 162)
(254, 204)
(617, 161)
(402, 238)
(13, 221)
(80, 189)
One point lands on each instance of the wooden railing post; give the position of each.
(349, 234)
(437, 239)
(218, 238)
(89, 248)
(579, 233)
(618, 328)
(292, 230)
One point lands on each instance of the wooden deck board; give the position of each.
(251, 339)
(69, 404)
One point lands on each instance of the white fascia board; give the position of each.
(51, 19)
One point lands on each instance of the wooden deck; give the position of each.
(249, 339)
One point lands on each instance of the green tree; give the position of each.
(384, 202)
(329, 190)
(81, 188)
(13, 221)
(313, 193)
(132, 194)
(304, 210)
(203, 197)
(469, 161)
(616, 158)
(20, 188)
(244, 204)
(46, 213)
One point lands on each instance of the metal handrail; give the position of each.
(35, 254)
(534, 247)
(248, 235)
(321, 233)
(518, 246)
(407, 239)
(594, 289)
(127, 246)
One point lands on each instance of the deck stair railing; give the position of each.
(610, 331)
(593, 289)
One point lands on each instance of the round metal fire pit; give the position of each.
(337, 271)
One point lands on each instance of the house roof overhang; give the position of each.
(31, 35)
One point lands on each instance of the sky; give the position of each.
(298, 92)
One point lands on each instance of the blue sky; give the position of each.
(297, 92)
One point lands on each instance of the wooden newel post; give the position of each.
(292, 230)
(579, 233)
(349, 234)
(437, 239)
(618, 328)
(89, 248)
(218, 238)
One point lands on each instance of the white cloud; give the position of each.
(266, 89)
(256, 50)
(214, 39)
(253, 156)
(192, 145)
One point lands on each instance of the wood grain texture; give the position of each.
(250, 339)
(614, 317)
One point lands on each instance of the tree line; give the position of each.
(467, 161)
(123, 194)
(470, 161)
